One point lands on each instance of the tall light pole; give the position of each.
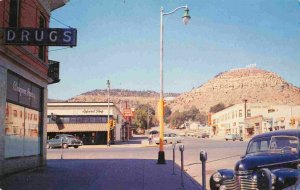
(108, 112)
(186, 17)
(148, 117)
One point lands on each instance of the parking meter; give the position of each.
(181, 148)
(174, 146)
(203, 156)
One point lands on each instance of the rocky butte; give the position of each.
(231, 87)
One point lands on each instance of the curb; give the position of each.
(116, 146)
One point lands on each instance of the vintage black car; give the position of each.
(65, 141)
(272, 161)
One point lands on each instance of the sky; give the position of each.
(119, 40)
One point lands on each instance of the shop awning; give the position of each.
(76, 127)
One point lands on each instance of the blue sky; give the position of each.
(119, 40)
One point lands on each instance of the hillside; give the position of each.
(231, 87)
(120, 96)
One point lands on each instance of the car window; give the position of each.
(281, 142)
(258, 145)
(56, 137)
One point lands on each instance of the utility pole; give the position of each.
(245, 105)
(108, 113)
(148, 117)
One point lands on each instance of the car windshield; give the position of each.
(275, 144)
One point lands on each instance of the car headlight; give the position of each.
(217, 177)
(273, 178)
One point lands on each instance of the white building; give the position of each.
(86, 120)
(254, 118)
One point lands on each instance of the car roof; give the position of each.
(291, 132)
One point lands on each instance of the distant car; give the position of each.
(169, 138)
(153, 132)
(65, 141)
(202, 135)
(182, 134)
(233, 137)
(190, 133)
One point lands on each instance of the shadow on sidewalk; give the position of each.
(135, 140)
(100, 174)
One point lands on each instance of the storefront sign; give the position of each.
(41, 36)
(23, 92)
(127, 112)
(92, 111)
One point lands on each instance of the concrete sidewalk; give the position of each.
(100, 174)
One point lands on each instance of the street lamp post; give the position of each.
(108, 112)
(186, 17)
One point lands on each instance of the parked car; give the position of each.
(169, 138)
(182, 134)
(202, 135)
(190, 133)
(153, 132)
(233, 137)
(64, 140)
(272, 161)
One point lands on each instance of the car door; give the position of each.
(57, 141)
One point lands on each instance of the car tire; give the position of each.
(226, 139)
(65, 146)
(75, 146)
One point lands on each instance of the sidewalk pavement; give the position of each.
(100, 174)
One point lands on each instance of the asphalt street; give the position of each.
(221, 154)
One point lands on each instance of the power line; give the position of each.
(51, 17)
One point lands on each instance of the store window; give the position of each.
(240, 113)
(22, 134)
(248, 113)
(14, 13)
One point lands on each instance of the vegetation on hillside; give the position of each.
(216, 108)
(193, 114)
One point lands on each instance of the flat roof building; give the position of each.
(87, 121)
(255, 118)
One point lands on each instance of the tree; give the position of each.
(216, 108)
(193, 114)
(141, 116)
(167, 114)
(177, 119)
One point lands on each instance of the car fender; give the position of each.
(286, 177)
(226, 175)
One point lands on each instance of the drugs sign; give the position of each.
(41, 36)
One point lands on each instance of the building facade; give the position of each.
(254, 118)
(87, 121)
(23, 87)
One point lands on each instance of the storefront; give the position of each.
(22, 97)
(25, 73)
(87, 121)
